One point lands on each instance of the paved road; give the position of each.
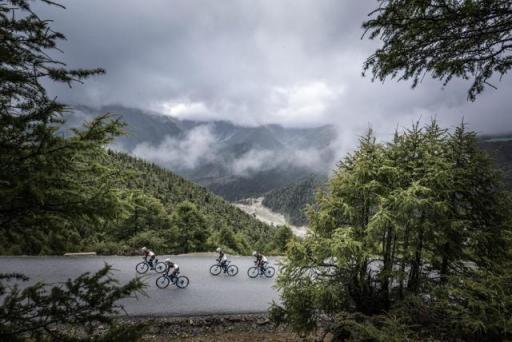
(206, 294)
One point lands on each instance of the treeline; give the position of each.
(292, 200)
(173, 215)
(122, 203)
(64, 191)
(410, 242)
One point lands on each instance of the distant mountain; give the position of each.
(233, 161)
(500, 148)
(292, 199)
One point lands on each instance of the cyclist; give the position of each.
(171, 265)
(148, 253)
(222, 259)
(261, 260)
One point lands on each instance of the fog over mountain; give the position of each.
(232, 160)
(296, 63)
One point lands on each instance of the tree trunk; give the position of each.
(405, 248)
(414, 276)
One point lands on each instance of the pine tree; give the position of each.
(49, 184)
(190, 230)
(405, 228)
(448, 39)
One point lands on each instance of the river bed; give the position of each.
(255, 207)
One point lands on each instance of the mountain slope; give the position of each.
(500, 149)
(292, 200)
(171, 190)
(233, 161)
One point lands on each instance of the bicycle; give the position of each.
(267, 271)
(164, 280)
(144, 266)
(231, 270)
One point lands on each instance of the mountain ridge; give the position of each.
(233, 161)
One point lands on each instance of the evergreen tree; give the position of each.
(49, 184)
(77, 310)
(463, 39)
(190, 230)
(404, 222)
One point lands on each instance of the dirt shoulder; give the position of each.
(246, 327)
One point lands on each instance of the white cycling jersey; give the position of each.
(150, 253)
(264, 258)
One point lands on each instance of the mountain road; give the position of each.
(205, 295)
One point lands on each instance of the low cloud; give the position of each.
(196, 147)
(288, 62)
(256, 160)
(200, 146)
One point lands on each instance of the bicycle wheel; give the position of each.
(182, 282)
(232, 270)
(162, 282)
(142, 267)
(215, 270)
(270, 271)
(253, 272)
(160, 267)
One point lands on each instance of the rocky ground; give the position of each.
(255, 207)
(244, 328)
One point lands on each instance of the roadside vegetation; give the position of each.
(412, 241)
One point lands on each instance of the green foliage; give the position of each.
(281, 236)
(292, 200)
(72, 311)
(158, 193)
(190, 230)
(462, 39)
(415, 223)
(50, 186)
(153, 239)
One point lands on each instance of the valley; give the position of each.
(255, 207)
(232, 161)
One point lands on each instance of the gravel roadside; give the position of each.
(223, 328)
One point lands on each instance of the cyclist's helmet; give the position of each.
(254, 253)
(144, 249)
(218, 250)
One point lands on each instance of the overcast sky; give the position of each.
(293, 62)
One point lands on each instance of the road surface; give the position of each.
(206, 294)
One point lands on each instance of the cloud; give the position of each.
(184, 109)
(257, 160)
(200, 147)
(197, 146)
(293, 62)
(303, 104)
(254, 161)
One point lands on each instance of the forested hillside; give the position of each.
(292, 200)
(233, 161)
(161, 192)
(500, 149)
